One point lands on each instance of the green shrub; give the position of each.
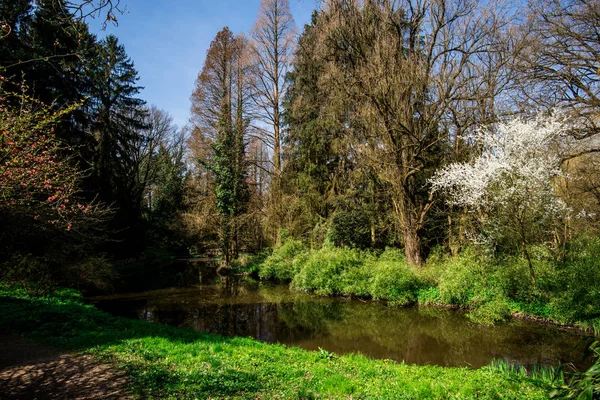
(429, 295)
(251, 263)
(479, 283)
(91, 273)
(490, 287)
(393, 281)
(460, 278)
(489, 311)
(356, 281)
(280, 264)
(575, 291)
(435, 266)
(351, 227)
(393, 255)
(335, 271)
(324, 270)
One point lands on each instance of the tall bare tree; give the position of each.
(220, 117)
(404, 69)
(559, 66)
(273, 38)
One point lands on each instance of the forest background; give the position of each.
(413, 151)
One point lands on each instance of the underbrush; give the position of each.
(40, 275)
(492, 287)
(168, 362)
(351, 272)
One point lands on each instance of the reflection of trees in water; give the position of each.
(448, 338)
(312, 317)
(426, 335)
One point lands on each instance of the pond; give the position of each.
(201, 300)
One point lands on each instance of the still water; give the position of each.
(273, 313)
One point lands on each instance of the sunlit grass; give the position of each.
(168, 362)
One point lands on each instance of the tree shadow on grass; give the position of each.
(76, 327)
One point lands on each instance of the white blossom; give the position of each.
(516, 170)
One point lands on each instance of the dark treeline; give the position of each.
(89, 172)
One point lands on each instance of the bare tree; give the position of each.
(221, 119)
(85, 9)
(559, 67)
(273, 40)
(404, 69)
(160, 134)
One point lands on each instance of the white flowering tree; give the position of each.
(510, 186)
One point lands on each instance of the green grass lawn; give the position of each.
(168, 362)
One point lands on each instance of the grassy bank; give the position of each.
(167, 362)
(492, 288)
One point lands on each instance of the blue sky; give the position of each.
(168, 40)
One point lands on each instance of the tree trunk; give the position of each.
(412, 241)
(410, 229)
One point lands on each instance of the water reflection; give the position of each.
(273, 313)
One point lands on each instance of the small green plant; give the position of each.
(327, 355)
(583, 385)
(553, 376)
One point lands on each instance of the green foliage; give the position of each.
(574, 287)
(168, 362)
(282, 263)
(429, 295)
(32, 274)
(393, 281)
(39, 276)
(351, 227)
(583, 385)
(491, 288)
(489, 311)
(342, 271)
(327, 271)
(229, 126)
(550, 375)
(91, 273)
(460, 278)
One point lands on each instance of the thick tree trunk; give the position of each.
(409, 226)
(412, 241)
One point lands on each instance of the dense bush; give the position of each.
(33, 274)
(491, 287)
(393, 281)
(342, 271)
(327, 271)
(574, 286)
(281, 263)
(94, 273)
(351, 227)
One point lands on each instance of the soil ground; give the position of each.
(32, 371)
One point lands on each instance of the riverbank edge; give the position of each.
(164, 361)
(387, 277)
(590, 327)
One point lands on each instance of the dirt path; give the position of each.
(32, 371)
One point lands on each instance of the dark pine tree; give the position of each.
(118, 122)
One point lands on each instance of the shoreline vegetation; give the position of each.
(168, 362)
(492, 289)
